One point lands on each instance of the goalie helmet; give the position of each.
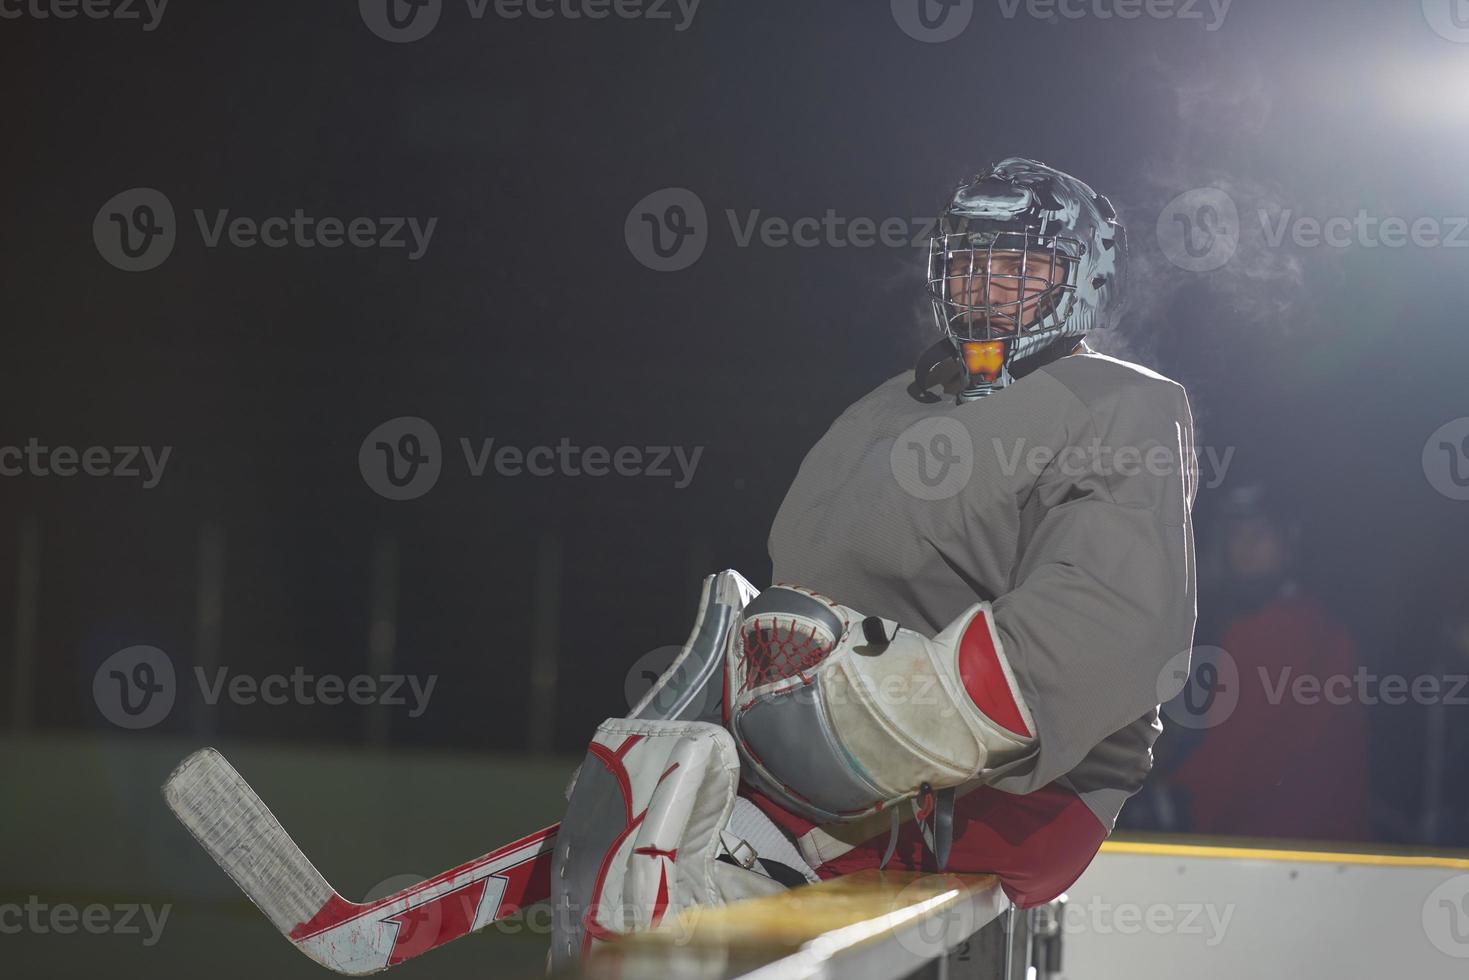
(1024, 258)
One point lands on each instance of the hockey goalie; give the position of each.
(982, 570)
(949, 677)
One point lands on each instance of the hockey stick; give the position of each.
(237, 829)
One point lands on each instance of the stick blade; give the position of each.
(238, 830)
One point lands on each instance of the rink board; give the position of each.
(1151, 911)
(865, 926)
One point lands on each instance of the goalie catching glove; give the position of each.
(837, 715)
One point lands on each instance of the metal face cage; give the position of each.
(961, 273)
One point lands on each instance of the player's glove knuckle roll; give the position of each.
(837, 715)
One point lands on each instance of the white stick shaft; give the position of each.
(238, 830)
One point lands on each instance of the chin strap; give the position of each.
(939, 365)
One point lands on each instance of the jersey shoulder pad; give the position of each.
(1098, 378)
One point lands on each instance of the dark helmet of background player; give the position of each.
(1254, 547)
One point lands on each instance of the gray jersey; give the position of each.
(1064, 499)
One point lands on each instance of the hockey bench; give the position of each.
(865, 926)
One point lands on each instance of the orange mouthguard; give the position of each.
(984, 359)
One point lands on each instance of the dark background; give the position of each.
(529, 319)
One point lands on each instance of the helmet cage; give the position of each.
(961, 271)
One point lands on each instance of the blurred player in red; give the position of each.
(1290, 758)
